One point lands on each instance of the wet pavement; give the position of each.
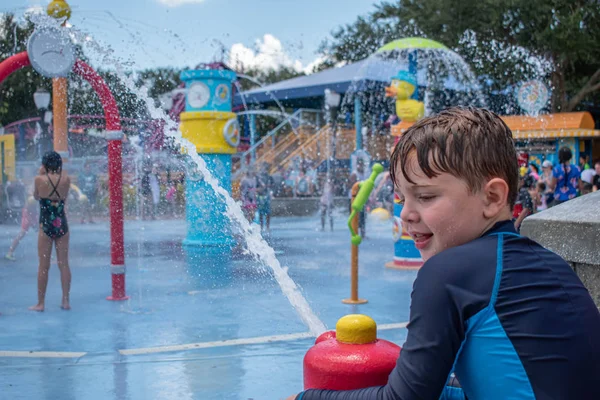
(195, 326)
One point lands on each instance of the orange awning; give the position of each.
(558, 133)
(575, 124)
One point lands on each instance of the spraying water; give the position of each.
(254, 241)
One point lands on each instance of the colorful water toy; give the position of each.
(215, 132)
(59, 9)
(360, 195)
(380, 214)
(406, 254)
(361, 198)
(402, 88)
(351, 357)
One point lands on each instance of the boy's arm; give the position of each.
(435, 333)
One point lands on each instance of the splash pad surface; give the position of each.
(195, 327)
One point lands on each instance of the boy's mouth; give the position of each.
(421, 239)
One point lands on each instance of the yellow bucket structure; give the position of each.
(210, 131)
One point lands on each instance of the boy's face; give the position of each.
(440, 212)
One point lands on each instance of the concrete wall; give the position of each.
(302, 206)
(572, 230)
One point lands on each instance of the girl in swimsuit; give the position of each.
(52, 189)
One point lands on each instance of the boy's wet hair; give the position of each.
(472, 144)
(52, 161)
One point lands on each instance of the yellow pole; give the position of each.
(59, 9)
(59, 106)
(354, 258)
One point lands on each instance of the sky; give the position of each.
(183, 33)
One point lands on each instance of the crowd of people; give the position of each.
(300, 180)
(554, 185)
(539, 189)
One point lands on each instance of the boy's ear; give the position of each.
(495, 197)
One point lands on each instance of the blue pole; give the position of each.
(205, 122)
(253, 135)
(207, 224)
(358, 122)
(412, 68)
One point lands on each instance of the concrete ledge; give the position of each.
(590, 276)
(302, 206)
(572, 230)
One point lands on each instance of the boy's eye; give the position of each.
(426, 197)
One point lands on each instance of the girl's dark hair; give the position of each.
(52, 161)
(564, 155)
(535, 167)
(528, 182)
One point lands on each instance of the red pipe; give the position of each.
(13, 63)
(115, 178)
(115, 164)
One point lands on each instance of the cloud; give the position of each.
(268, 53)
(177, 3)
(314, 63)
(35, 10)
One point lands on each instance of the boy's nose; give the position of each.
(408, 214)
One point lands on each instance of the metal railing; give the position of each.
(298, 117)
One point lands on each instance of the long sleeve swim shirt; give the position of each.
(509, 318)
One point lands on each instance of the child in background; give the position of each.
(263, 203)
(327, 204)
(543, 196)
(524, 205)
(248, 195)
(29, 219)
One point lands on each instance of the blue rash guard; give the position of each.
(509, 318)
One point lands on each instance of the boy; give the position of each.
(509, 318)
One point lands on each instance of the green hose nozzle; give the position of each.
(366, 187)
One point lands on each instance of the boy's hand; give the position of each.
(292, 397)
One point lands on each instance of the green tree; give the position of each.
(267, 76)
(506, 41)
(83, 99)
(16, 92)
(159, 80)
